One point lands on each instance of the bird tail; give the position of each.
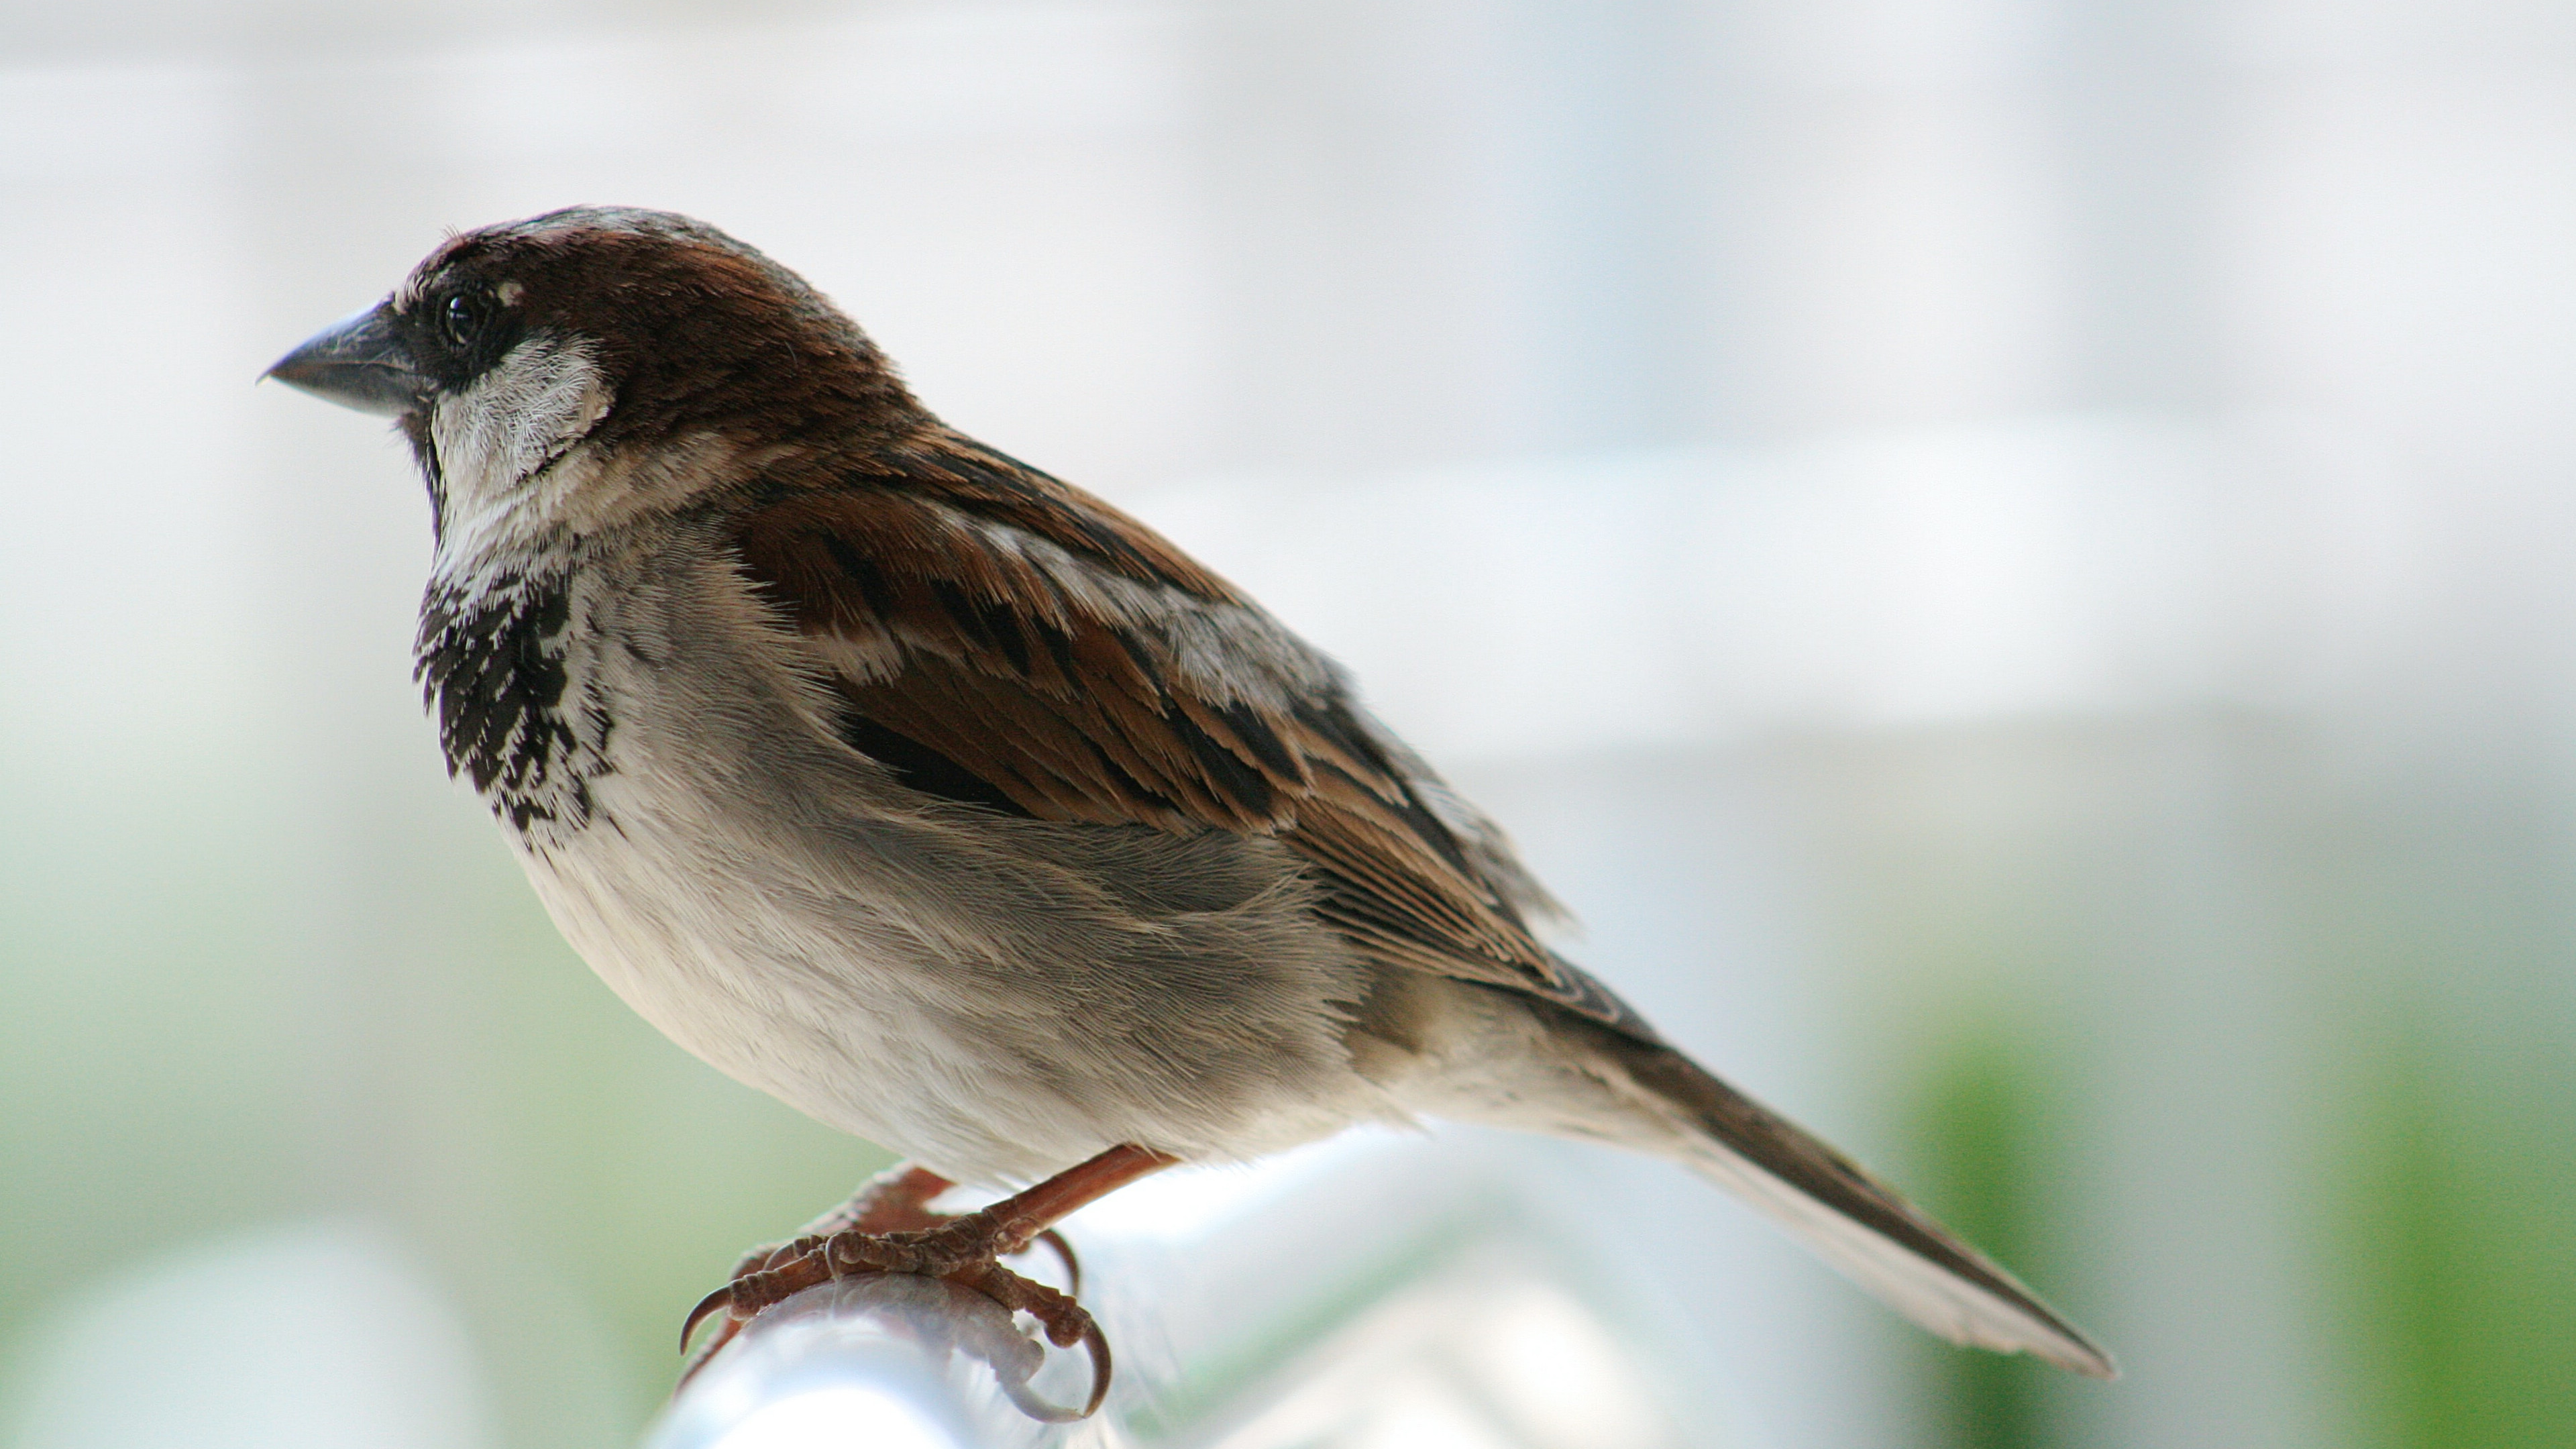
(1851, 1220)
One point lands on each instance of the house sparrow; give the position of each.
(963, 812)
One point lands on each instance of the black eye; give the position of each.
(464, 319)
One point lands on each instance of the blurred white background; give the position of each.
(2014, 559)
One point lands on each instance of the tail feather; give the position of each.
(1856, 1223)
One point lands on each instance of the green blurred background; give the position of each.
(2015, 562)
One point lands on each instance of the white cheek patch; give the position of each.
(521, 414)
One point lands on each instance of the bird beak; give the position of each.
(357, 362)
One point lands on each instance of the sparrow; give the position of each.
(965, 813)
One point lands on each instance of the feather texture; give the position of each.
(1853, 1221)
(1062, 653)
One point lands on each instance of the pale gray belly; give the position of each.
(995, 997)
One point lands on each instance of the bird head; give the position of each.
(559, 374)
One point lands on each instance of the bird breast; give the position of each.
(992, 995)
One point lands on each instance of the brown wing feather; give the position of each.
(1090, 671)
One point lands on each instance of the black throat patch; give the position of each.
(493, 671)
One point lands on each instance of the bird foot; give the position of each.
(964, 1250)
(889, 1228)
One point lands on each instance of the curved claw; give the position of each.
(725, 1333)
(1095, 1344)
(1064, 1255)
(722, 1297)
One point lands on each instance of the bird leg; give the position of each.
(888, 1228)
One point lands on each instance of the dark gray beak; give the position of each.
(357, 362)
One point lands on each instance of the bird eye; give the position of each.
(464, 319)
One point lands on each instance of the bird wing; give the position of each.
(1005, 638)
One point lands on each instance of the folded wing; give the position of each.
(1036, 649)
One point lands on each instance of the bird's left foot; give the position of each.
(895, 1204)
(963, 1250)
(889, 1228)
